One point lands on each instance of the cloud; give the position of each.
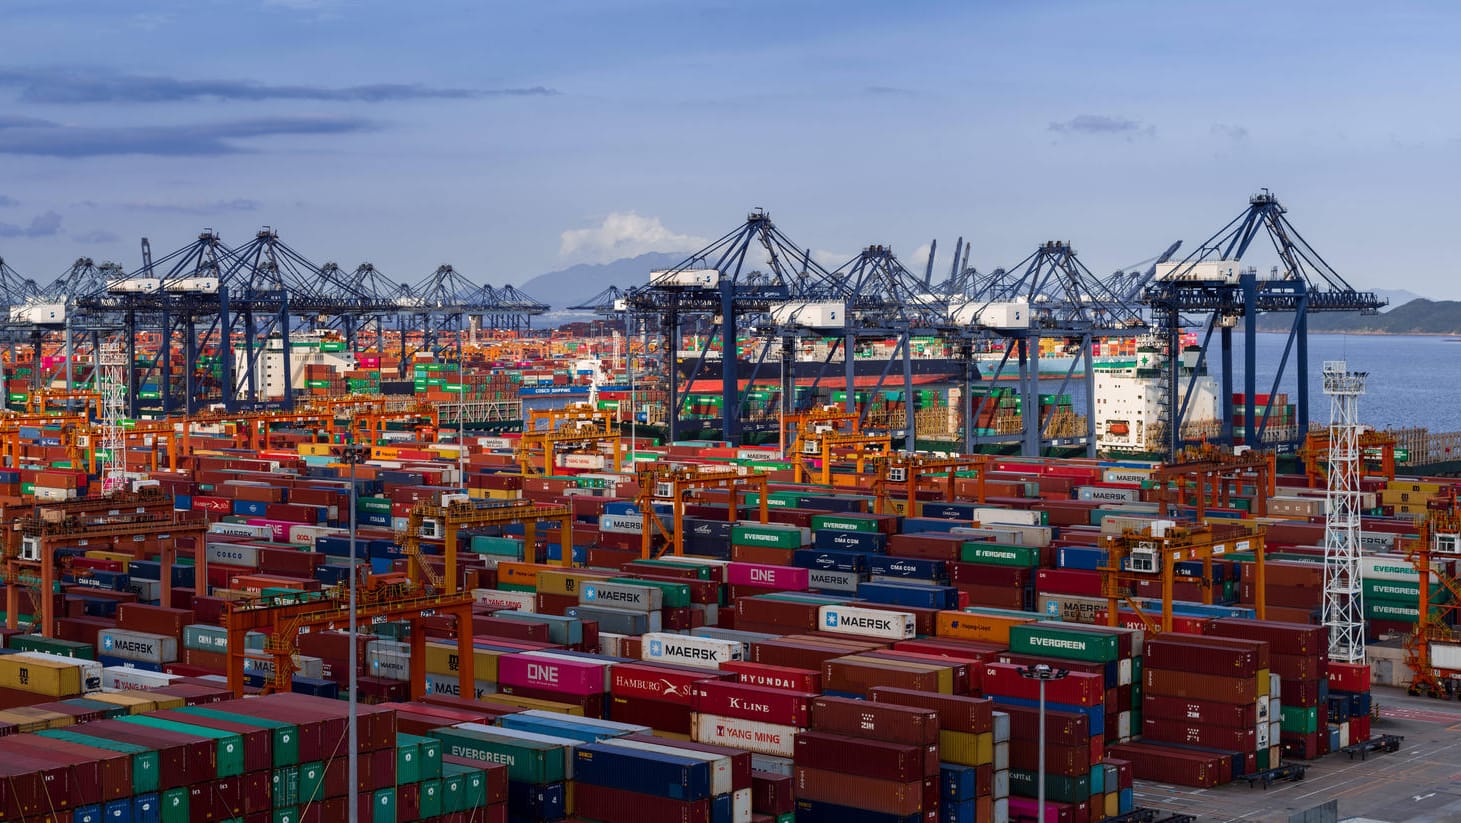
(29, 136)
(1101, 124)
(215, 207)
(624, 234)
(42, 225)
(97, 86)
(1233, 133)
(96, 236)
(8, 201)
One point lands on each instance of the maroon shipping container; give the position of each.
(1190, 653)
(619, 806)
(106, 774)
(867, 758)
(1282, 638)
(983, 574)
(1077, 582)
(1066, 761)
(1200, 686)
(258, 741)
(793, 653)
(23, 792)
(1199, 734)
(1061, 728)
(867, 793)
(1209, 712)
(927, 546)
(182, 759)
(875, 721)
(860, 675)
(68, 783)
(1169, 764)
(1297, 667)
(656, 714)
(956, 713)
(793, 616)
(1076, 688)
(1260, 648)
(961, 669)
(766, 705)
(593, 705)
(772, 794)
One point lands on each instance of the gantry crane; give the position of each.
(900, 475)
(379, 598)
(442, 517)
(669, 484)
(578, 425)
(99, 523)
(1433, 650)
(1376, 448)
(1208, 475)
(829, 434)
(1153, 553)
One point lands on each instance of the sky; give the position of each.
(510, 139)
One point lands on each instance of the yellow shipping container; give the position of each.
(1113, 804)
(44, 677)
(518, 573)
(441, 658)
(965, 748)
(124, 559)
(1263, 682)
(566, 582)
(1414, 487)
(30, 719)
(988, 628)
(533, 703)
(314, 449)
(383, 452)
(128, 700)
(502, 494)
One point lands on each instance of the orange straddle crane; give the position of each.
(1137, 556)
(1433, 650)
(675, 484)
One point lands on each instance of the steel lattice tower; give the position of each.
(1343, 595)
(111, 368)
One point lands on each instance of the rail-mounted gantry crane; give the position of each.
(1209, 476)
(674, 485)
(1152, 554)
(1433, 649)
(900, 476)
(576, 431)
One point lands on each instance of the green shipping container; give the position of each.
(429, 798)
(383, 806)
(288, 814)
(285, 735)
(838, 523)
(701, 572)
(1053, 640)
(676, 595)
(175, 806)
(286, 787)
(311, 782)
(1405, 592)
(766, 535)
(1058, 788)
(528, 761)
(1299, 719)
(51, 645)
(408, 759)
(228, 748)
(145, 761)
(452, 796)
(497, 546)
(999, 554)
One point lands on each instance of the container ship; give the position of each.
(565, 623)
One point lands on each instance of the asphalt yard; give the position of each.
(1421, 783)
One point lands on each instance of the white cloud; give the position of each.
(624, 234)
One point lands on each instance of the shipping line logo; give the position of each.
(835, 620)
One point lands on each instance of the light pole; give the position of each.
(353, 455)
(1043, 673)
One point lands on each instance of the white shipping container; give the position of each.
(201, 285)
(687, 650)
(126, 678)
(232, 554)
(1107, 494)
(835, 581)
(304, 665)
(389, 659)
(621, 523)
(867, 622)
(148, 591)
(1005, 315)
(621, 596)
(497, 443)
(1072, 608)
(1125, 475)
(819, 315)
(1001, 755)
(1017, 517)
(1001, 728)
(42, 313)
(242, 530)
(747, 735)
(581, 461)
(139, 646)
(519, 601)
(1390, 567)
(1446, 656)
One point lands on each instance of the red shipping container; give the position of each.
(656, 714)
(867, 758)
(766, 705)
(671, 684)
(877, 721)
(1199, 734)
(1078, 582)
(772, 794)
(1231, 715)
(153, 619)
(619, 806)
(775, 677)
(870, 794)
(956, 713)
(1075, 689)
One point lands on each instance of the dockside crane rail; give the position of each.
(1211, 282)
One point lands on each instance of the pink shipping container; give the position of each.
(569, 677)
(759, 575)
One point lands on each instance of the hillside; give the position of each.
(576, 284)
(1415, 317)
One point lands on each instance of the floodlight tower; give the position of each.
(1343, 595)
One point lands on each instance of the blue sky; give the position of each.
(509, 139)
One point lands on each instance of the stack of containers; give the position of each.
(1000, 575)
(1112, 653)
(864, 761)
(539, 766)
(1213, 693)
(756, 719)
(973, 747)
(656, 695)
(1298, 656)
(1075, 780)
(767, 543)
(1349, 703)
(582, 681)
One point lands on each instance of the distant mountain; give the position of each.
(576, 284)
(1397, 297)
(1414, 317)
